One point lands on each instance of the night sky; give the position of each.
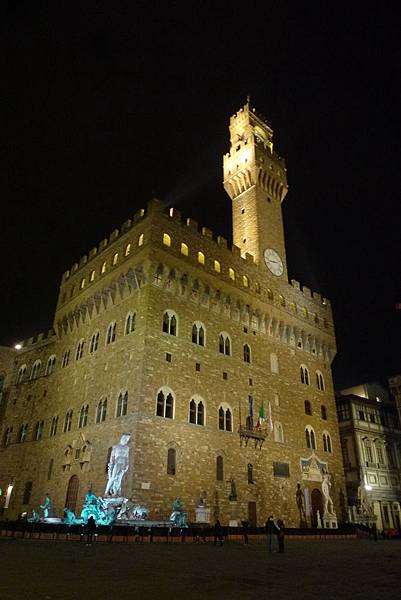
(106, 104)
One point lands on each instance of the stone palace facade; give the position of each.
(217, 367)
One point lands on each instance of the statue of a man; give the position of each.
(299, 496)
(328, 502)
(118, 466)
(233, 494)
(46, 506)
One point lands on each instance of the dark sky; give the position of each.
(104, 104)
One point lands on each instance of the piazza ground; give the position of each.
(335, 569)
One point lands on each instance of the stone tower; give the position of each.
(255, 179)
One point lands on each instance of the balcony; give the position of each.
(256, 434)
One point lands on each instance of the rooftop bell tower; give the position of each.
(255, 179)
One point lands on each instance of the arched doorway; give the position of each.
(72, 493)
(317, 505)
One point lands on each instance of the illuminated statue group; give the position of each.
(95, 507)
(178, 515)
(105, 510)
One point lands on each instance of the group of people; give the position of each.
(274, 531)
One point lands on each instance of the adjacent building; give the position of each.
(371, 444)
(215, 364)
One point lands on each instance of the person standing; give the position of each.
(218, 533)
(90, 530)
(280, 535)
(271, 531)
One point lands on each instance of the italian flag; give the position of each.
(261, 417)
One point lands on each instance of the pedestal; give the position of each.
(202, 514)
(330, 521)
(233, 521)
(52, 520)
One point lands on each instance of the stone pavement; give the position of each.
(337, 569)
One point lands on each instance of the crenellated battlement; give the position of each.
(37, 340)
(203, 240)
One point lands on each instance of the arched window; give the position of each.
(80, 350)
(170, 322)
(217, 266)
(166, 239)
(201, 258)
(247, 353)
(197, 411)
(67, 421)
(101, 410)
(308, 407)
(8, 436)
(158, 276)
(304, 374)
(82, 284)
(326, 442)
(282, 300)
(94, 342)
(111, 333)
(219, 468)
(53, 426)
(171, 461)
(21, 374)
(66, 359)
(274, 367)
(51, 364)
(115, 259)
(323, 411)
(35, 369)
(320, 381)
(39, 430)
(103, 267)
(225, 418)
(224, 344)
(184, 249)
(92, 275)
(310, 438)
(198, 333)
(130, 323)
(27, 492)
(245, 281)
(278, 432)
(140, 239)
(231, 273)
(165, 403)
(269, 294)
(250, 473)
(122, 403)
(127, 250)
(23, 432)
(83, 416)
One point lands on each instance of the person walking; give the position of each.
(218, 533)
(271, 531)
(280, 535)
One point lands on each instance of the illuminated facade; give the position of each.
(371, 445)
(167, 334)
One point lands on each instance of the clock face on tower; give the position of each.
(273, 262)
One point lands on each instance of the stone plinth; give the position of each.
(202, 514)
(330, 521)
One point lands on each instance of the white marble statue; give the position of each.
(118, 466)
(328, 502)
